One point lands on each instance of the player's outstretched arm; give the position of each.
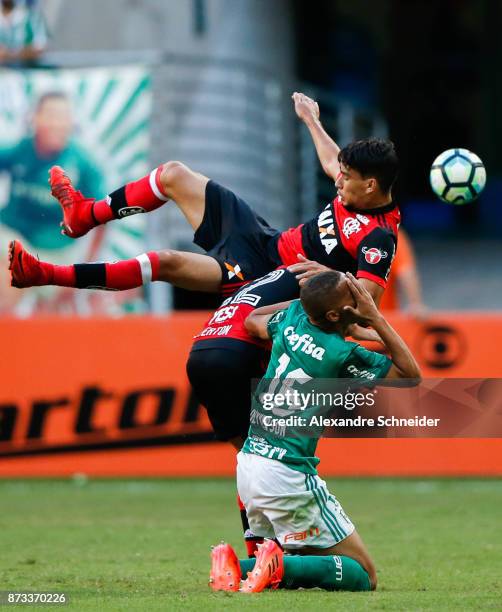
(404, 364)
(327, 149)
(375, 290)
(256, 322)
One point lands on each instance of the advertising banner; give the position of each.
(110, 397)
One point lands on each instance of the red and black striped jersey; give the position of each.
(362, 242)
(227, 323)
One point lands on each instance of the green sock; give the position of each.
(332, 573)
(246, 566)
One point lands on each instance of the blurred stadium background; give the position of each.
(209, 82)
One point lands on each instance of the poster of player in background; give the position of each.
(95, 123)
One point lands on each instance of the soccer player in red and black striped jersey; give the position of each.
(356, 232)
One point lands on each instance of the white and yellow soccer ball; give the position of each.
(457, 176)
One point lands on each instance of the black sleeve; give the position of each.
(375, 254)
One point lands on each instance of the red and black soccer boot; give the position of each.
(25, 269)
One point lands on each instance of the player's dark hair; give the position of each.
(372, 157)
(318, 295)
(50, 95)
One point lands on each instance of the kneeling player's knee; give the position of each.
(373, 581)
(372, 575)
(173, 173)
(169, 264)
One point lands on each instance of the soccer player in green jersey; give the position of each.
(285, 500)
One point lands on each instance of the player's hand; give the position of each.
(305, 107)
(365, 312)
(306, 268)
(363, 334)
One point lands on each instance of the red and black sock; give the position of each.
(118, 276)
(143, 195)
(250, 540)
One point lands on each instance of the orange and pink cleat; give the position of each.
(268, 570)
(225, 569)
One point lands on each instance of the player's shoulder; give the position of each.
(293, 311)
(380, 236)
(345, 347)
(27, 143)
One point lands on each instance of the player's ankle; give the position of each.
(100, 212)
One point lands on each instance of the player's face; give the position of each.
(53, 124)
(353, 189)
(343, 297)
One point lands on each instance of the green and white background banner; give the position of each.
(109, 145)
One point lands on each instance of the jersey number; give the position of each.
(297, 375)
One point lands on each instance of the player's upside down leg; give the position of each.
(170, 181)
(182, 269)
(224, 225)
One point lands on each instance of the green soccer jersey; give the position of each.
(31, 210)
(302, 352)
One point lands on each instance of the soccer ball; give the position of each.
(457, 176)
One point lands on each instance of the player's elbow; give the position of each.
(404, 376)
(411, 375)
(251, 325)
(415, 374)
(331, 167)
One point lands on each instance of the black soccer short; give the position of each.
(235, 235)
(221, 379)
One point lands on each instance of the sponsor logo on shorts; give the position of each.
(299, 536)
(374, 255)
(234, 271)
(127, 211)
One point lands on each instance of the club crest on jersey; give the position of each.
(351, 225)
(374, 255)
(234, 271)
(327, 229)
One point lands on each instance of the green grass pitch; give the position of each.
(144, 545)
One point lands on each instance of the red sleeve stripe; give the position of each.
(372, 277)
